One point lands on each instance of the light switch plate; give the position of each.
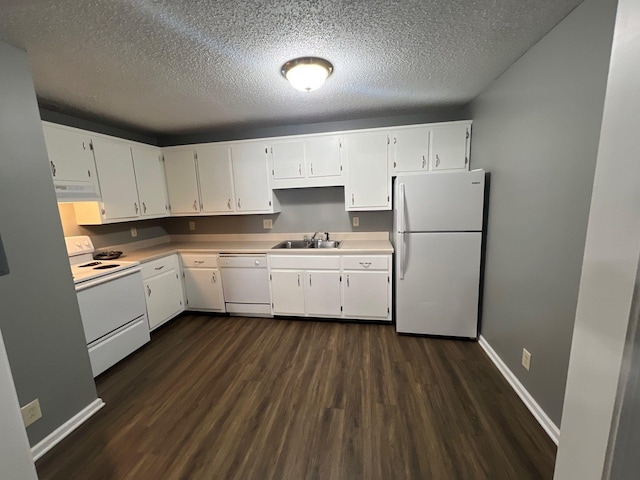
(192, 225)
(134, 232)
(526, 359)
(356, 221)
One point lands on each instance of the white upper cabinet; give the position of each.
(117, 179)
(409, 150)
(150, 179)
(216, 179)
(182, 181)
(368, 185)
(71, 162)
(450, 147)
(251, 178)
(313, 161)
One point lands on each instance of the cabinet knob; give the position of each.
(53, 168)
(195, 205)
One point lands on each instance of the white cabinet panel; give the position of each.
(117, 179)
(322, 293)
(409, 150)
(366, 294)
(251, 178)
(70, 156)
(449, 147)
(151, 182)
(368, 184)
(163, 294)
(203, 287)
(287, 292)
(322, 155)
(216, 179)
(288, 159)
(182, 182)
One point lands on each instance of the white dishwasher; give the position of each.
(245, 282)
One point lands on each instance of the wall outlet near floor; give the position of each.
(134, 232)
(267, 224)
(192, 225)
(355, 221)
(526, 359)
(31, 412)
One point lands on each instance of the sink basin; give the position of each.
(306, 244)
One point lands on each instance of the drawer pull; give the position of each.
(159, 268)
(365, 264)
(148, 290)
(199, 262)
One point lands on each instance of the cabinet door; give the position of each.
(449, 148)
(203, 287)
(251, 177)
(288, 159)
(163, 294)
(410, 150)
(287, 292)
(117, 179)
(216, 179)
(368, 182)
(70, 155)
(150, 179)
(182, 183)
(366, 294)
(322, 156)
(322, 293)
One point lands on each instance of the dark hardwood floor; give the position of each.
(246, 398)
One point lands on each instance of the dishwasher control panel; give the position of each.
(243, 261)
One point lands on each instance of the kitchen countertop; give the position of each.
(352, 245)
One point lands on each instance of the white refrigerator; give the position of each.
(438, 238)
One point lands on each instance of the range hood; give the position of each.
(75, 192)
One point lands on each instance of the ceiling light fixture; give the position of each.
(307, 73)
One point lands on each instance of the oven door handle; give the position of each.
(106, 278)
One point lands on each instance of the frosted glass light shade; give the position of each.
(308, 73)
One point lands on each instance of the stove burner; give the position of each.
(91, 264)
(104, 267)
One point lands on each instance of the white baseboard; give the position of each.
(543, 419)
(55, 437)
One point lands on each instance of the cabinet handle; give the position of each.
(312, 169)
(135, 204)
(144, 207)
(229, 204)
(353, 198)
(298, 279)
(239, 207)
(299, 169)
(309, 279)
(213, 277)
(424, 161)
(89, 173)
(159, 268)
(365, 264)
(195, 205)
(148, 290)
(198, 261)
(53, 168)
(437, 160)
(347, 280)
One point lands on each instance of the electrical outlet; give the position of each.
(31, 412)
(192, 225)
(526, 359)
(355, 221)
(134, 232)
(267, 224)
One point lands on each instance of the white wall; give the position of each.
(609, 267)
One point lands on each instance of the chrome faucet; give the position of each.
(318, 240)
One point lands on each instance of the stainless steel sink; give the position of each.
(309, 244)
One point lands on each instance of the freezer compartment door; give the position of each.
(439, 202)
(439, 289)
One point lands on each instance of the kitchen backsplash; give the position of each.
(309, 209)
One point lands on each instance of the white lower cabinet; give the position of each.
(202, 282)
(163, 290)
(333, 286)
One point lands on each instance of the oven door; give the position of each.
(110, 302)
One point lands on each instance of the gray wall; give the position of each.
(39, 314)
(536, 130)
(303, 210)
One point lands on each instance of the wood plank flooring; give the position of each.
(248, 398)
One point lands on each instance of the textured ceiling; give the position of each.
(194, 65)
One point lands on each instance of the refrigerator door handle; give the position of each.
(401, 208)
(400, 246)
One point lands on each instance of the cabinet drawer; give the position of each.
(365, 262)
(194, 260)
(310, 262)
(159, 266)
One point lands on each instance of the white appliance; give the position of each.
(438, 237)
(112, 306)
(245, 282)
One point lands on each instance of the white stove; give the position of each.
(84, 267)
